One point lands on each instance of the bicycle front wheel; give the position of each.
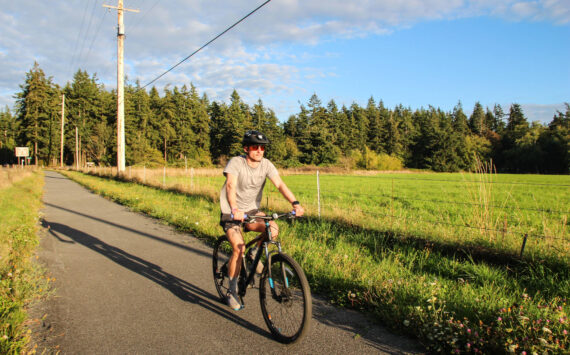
(285, 299)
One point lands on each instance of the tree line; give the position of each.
(182, 127)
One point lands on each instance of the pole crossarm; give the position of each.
(118, 8)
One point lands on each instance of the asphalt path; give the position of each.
(128, 284)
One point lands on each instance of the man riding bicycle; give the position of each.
(241, 194)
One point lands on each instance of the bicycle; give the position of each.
(284, 293)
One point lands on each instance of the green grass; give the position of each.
(21, 280)
(453, 294)
(494, 211)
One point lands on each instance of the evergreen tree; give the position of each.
(513, 145)
(374, 128)
(477, 120)
(264, 120)
(201, 127)
(555, 144)
(499, 123)
(459, 119)
(8, 134)
(84, 111)
(34, 110)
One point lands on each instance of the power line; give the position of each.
(78, 36)
(81, 59)
(207, 43)
(97, 32)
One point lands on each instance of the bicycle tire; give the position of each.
(287, 309)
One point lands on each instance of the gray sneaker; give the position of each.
(233, 302)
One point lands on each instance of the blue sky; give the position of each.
(443, 62)
(409, 52)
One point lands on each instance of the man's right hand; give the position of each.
(237, 215)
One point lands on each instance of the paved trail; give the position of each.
(127, 284)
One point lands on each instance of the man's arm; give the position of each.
(280, 185)
(231, 183)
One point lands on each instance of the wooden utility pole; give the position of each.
(76, 149)
(62, 126)
(120, 87)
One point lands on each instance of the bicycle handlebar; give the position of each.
(274, 216)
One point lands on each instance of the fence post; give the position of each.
(392, 208)
(504, 229)
(318, 195)
(523, 244)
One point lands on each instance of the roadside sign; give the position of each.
(22, 152)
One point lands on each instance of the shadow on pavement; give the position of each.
(180, 288)
(141, 233)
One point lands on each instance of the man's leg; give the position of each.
(234, 266)
(238, 247)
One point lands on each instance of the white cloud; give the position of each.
(66, 35)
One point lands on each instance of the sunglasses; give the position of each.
(257, 147)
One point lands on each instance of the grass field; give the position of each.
(494, 211)
(21, 279)
(456, 282)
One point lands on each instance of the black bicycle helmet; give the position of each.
(253, 138)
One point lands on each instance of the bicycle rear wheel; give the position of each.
(285, 299)
(220, 259)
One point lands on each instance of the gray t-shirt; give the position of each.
(250, 183)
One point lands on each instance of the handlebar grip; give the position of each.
(244, 216)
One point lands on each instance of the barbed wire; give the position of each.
(476, 182)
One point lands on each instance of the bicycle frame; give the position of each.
(250, 272)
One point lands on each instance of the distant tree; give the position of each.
(477, 120)
(459, 119)
(8, 135)
(514, 143)
(374, 128)
(555, 144)
(264, 120)
(35, 111)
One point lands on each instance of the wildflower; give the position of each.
(469, 331)
(565, 332)
(546, 330)
(543, 341)
(406, 322)
(512, 348)
(499, 319)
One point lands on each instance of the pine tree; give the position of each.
(477, 120)
(8, 134)
(201, 128)
(459, 119)
(34, 110)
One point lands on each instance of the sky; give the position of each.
(417, 53)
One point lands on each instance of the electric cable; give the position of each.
(72, 63)
(207, 43)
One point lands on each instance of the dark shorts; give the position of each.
(227, 223)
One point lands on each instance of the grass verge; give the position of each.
(21, 280)
(452, 299)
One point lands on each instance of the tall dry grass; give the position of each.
(9, 176)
